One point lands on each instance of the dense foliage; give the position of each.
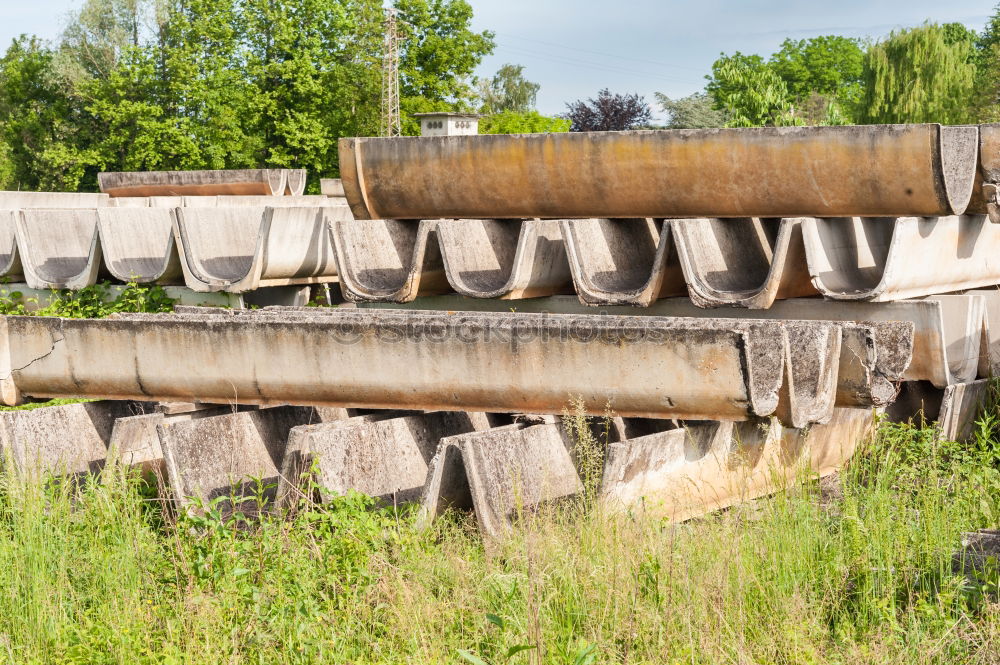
(189, 84)
(608, 112)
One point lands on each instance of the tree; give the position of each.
(986, 95)
(608, 113)
(440, 52)
(925, 74)
(692, 112)
(821, 72)
(508, 90)
(530, 122)
(750, 91)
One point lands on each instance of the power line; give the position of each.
(606, 55)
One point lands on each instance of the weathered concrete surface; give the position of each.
(137, 244)
(989, 349)
(388, 260)
(10, 258)
(221, 456)
(333, 187)
(519, 363)
(382, 455)
(702, 467)
(507, 259)
(947, 329)
(20, 200)
(242, 249)
(874, 259)
(742, 262)
(622, 261)
(501, 473)
(759, 172)
(984, 197)
(59, 249)
(268, 182)
(67, 439)
(305, 201)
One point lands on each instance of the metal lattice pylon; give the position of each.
(390, 121)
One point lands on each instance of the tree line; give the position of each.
(211, 84)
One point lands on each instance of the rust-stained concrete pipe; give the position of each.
(870, 170)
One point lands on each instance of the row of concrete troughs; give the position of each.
(476, 264)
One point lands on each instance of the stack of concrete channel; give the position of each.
(743, 302)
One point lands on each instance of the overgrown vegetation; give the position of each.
(91, 302)
(865, 574)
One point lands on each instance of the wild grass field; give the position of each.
(856, 571)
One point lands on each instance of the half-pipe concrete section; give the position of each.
(506, 259)
(876, 259)
(18, 200)
(295, 182)
(137, 245)
(10, 259)
(873, 170)
(388, 260)
(493, 362)
(742, 262)
(985, 199)
(59, 249)
(622, 261)
(702, 467)
(242, 249)
(267, 182)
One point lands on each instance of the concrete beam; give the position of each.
(18, 200)
(520, 363)
(873, 170)
(267, 182)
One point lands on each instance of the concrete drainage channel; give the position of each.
(735, 351)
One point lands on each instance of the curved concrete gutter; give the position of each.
(881, 260)
(873, 170)
(242, 249)
(59, 249)
(522, 363)
(137, 245)
(18, 200)
(10, 258)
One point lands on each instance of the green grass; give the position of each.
(91, 302)
(102, 574)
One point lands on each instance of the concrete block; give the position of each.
(332, 187)
(220, 456)
(382, 455)
(873, 170)
(506, 259)
(499, 473)
(268, 182)
(66, 439)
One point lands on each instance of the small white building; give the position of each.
(448, 124)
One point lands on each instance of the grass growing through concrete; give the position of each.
(860, 575)
(91, 302)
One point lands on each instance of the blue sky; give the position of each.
(573, 48)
